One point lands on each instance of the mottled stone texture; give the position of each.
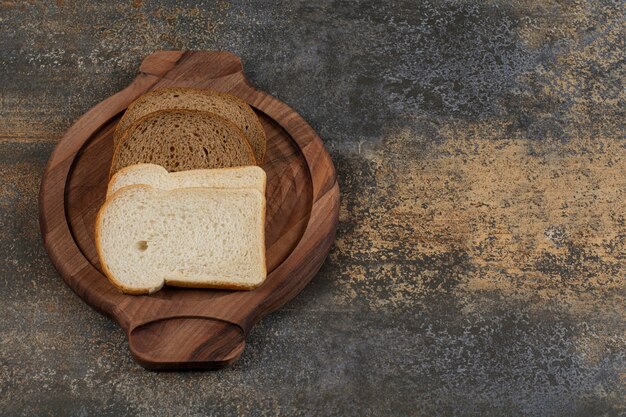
(480, 262)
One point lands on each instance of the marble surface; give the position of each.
(480, 261)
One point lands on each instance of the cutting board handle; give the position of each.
(186, 342)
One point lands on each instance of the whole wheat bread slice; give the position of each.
(180, 140)
(191, 237)
(226, 105)
(156, 176)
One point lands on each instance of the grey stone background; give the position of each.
(480, 264)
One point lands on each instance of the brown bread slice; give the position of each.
(225, 105)
(180, 140)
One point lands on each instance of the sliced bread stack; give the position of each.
(227, 106)
(186, 201)
(186, 128)
(183, 139)
(201, 228)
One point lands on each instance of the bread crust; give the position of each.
(258, 127)
(131, 128)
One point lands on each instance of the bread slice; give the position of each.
(181, 140)
(226, 105)
(190, 237)
(156, 176)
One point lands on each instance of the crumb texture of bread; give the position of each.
(156, 176)
(226, 105)
(196, 237)
(181, 140)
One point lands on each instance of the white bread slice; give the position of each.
(156, 176)
(190, 237)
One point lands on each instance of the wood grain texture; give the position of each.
(180, 328)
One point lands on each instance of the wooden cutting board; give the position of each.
(180, 328)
